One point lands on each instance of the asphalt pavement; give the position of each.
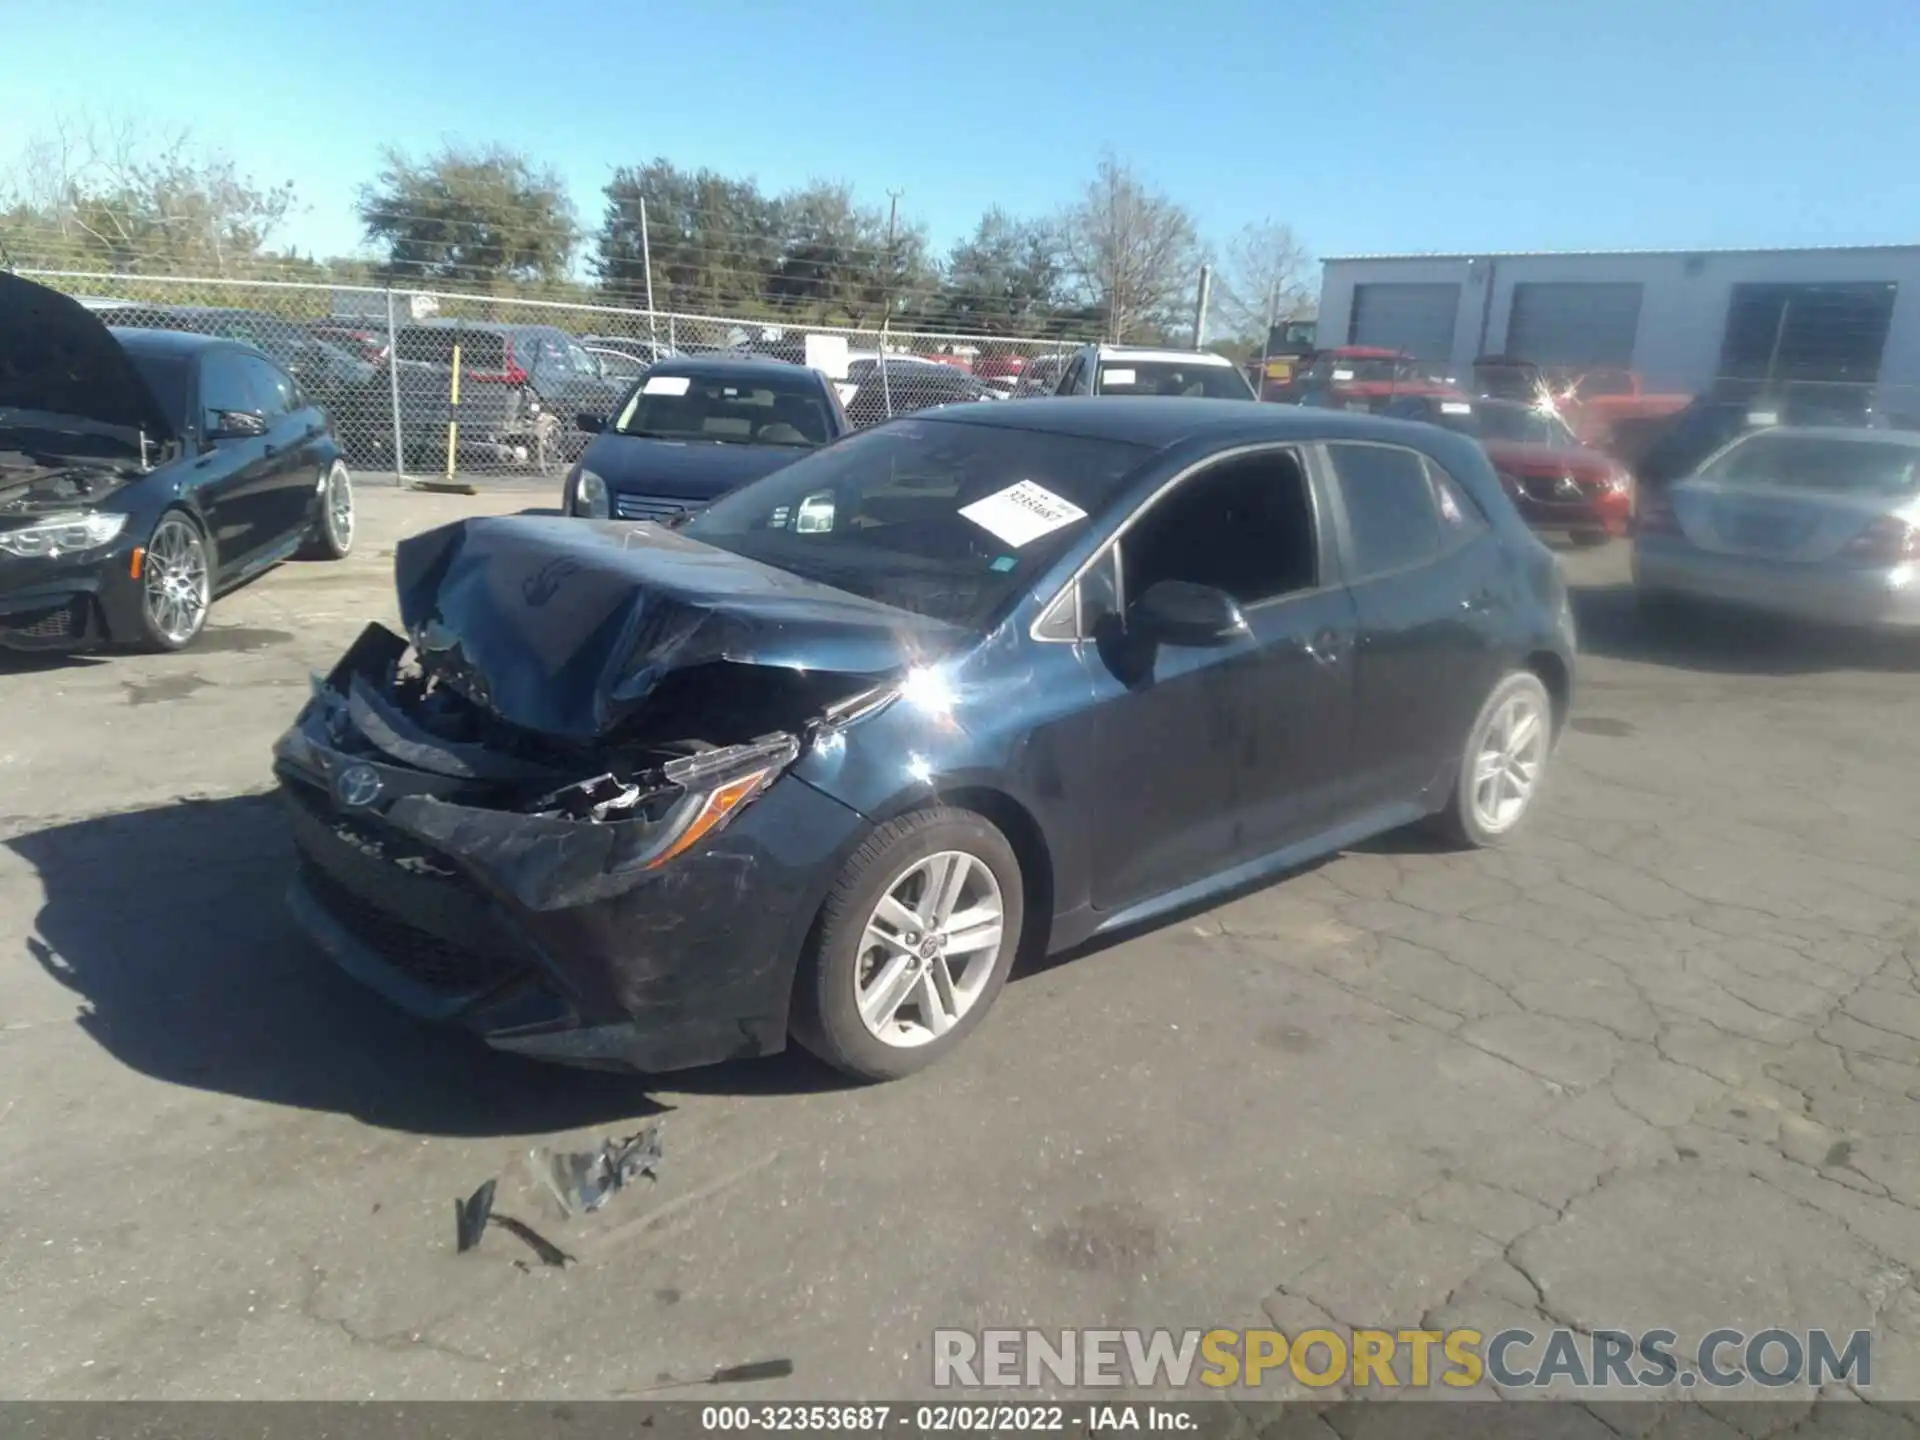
(1654, 1065)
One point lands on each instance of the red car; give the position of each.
(1557, 484)
(1365, 377)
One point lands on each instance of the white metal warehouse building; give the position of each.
(1681, 319)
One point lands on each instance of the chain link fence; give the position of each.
(429, 382)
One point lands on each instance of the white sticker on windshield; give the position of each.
(1455, 407)
(1022, 513)
(1343, 374)
(666, 385)
(1763, 417)
(1117, 377)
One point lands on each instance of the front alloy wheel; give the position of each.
(928, 949)
(912, 944)
(176, 583)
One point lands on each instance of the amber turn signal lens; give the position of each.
(719, 805)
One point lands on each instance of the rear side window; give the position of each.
(1401, 509)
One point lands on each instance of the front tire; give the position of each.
(333, 527)
(1502, 766)
(912, 945)
(176, 583)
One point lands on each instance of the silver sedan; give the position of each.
(1818, 524)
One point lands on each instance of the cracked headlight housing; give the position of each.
(590, 496)
(62, 535)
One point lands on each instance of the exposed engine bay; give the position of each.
(36, 482)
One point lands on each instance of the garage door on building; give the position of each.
(1823, 334)
(1418, 319)
(1574, 324)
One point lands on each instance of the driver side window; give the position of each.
(1243, 525)
(224, 386)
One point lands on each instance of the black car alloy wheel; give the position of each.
(176, 583)
(332, 537)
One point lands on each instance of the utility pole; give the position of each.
(1200, 307)
(886, 319)
(646, 264)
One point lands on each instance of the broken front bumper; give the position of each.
(548, 936)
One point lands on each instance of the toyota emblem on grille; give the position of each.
(358, 786)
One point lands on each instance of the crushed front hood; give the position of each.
(564, 627)
(57, 358)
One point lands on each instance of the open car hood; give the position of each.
(564, 627)
(57, 357)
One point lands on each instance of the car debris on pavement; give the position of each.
(473, 1215)
(581, 1180)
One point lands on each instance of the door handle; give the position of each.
(1323, 649)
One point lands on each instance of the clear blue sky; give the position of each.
(1370, 125)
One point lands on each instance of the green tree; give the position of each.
(484, 218)
(116, 194)
(1008, 278)
(844, 263)
(714, 242)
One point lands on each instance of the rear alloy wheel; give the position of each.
(1503, 764)
(176, 583)
(332, 537)
(913, 944)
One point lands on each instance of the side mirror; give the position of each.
(1178, 612)
(237, 425)
(591, 423)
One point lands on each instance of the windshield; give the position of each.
(1173, 377)
(951, 521)
(1346, 370)
(1818, 462)
(728, 409)
(1520, 425)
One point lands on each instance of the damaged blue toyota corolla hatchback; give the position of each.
(973, 684)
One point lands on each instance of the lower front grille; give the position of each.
(60, 622)
(650, 507)
(1551, 488)
(427, 958)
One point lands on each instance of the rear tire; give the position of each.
(333, 527)
(176, 583)
(882, 936)
(1501, 767)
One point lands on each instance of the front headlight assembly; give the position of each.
(590, 497)
(62, 535)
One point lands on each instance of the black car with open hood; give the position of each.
(820, 761)
(144, 471)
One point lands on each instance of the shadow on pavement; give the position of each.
(1728, 641)
(169, 924)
